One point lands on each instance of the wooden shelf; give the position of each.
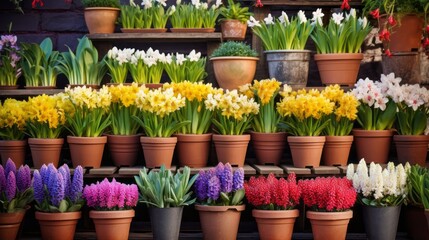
(28, 92)
(158, 37)
(315, 3)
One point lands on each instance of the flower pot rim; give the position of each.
(48, 216)
(129, 213)
(233, 58)
(348, 214)
(288, 51)
(410, 137)
(258, 213)
(208, 208)
(361, 132)
(102, 8)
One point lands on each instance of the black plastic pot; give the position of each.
(165, 222)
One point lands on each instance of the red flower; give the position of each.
(375, 13)
(35, 2)
(426, 42)
(258, 3)
(328, 194)
(345, 5)
(391, 20)
(271, 193)
(387, 52)
(384, 35)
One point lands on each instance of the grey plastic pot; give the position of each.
(381, 223)
(165, 222)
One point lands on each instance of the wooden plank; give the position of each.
(129, 171)
(249, 170)
(267, 169)
(325, 170)
(343, 169)
(29, 92)
(158, 37)
(103, 170)
(316, 3)
(297, 171)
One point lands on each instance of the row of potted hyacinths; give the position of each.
(181, 112)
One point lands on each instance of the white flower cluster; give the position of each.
(149, 3)
(121, 55)
(376, 183)
(180, 58)
(284, 18)
(374, 94)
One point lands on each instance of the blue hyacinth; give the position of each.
(39, 193)
(10, 166)
(10, 186)
(23, 178)
(65, 171)
(56, 187)
(77, 184)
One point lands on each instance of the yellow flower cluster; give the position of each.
(162, 102)
(232, 104)
(125, 95)
(88, 98)
(346, 104)
(192, 91)
(46, 109)
(12, 113)
(264, 89)
(303, 104)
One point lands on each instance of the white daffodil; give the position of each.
(337, 18)
(218, 3)
(180, 58)
(162, 2)
(301, 16)
(284, 18)
(363, 21)
(193, 56)
(147, 4)
(252, 22)
(269, 19)
(317, 17)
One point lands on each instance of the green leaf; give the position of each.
(63, 206)
(238, 197)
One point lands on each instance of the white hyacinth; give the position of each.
(194, 56)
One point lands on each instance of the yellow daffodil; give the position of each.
(12, 119)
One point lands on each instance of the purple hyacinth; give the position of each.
(90, 193)
(65, 171)
(51, 169)
(43, 173)
(213, 188)
(2, 179)
(56, 188)
(10, 166)
(238, 179)
(226, 179)
(120, 190)
(39, 192)
(131, 195)
(77, 184)
(201, 185)
(23, 178)
(10, 186)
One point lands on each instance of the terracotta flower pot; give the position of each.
(231, 148)
(329, 225)
(112, 225)
(158, 151)
(232, 72)
(10, 224)
(45, 151)
(412, 149)
(124, 149)
(13, 149)
(338, 68)
(406, 36)
(306, 150)
(101, 19)
(275, 224)
(269, 147)
(87, 151)
(198, 145)
(233, 29)
(219, 222)
(373, 145)
(59, 226)
(336, 150)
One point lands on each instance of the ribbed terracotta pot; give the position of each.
(338, 68)
(373, 145)
(112, 225)
(306, 150)
(233, 29)
(193, 149)
(219, 222)
(336, 150)
(45, 151)
(124, 149)
(13, 149)
(58, 226)
(231, 148)
(275, 224)
(158, 151)
(10, 224)
(329, 225)
(268, 147)
(412, 148)
(86, 151)
(232, 72)
(101, 19)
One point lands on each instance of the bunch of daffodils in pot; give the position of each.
(194, 110)
(154, 14)
(9, 60)
(191, 67)
(343, 34)
(132, 17)
(46, 116)
(117, 63)
(13, 117)
(377, 186)
(265, 93)
(88, 110)
(123, 108)
(282, 33)
(158, 107)
(376, 110)
(304, 112)
(233, 112)
(195, 14)
(147, 66)
(344, 113)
